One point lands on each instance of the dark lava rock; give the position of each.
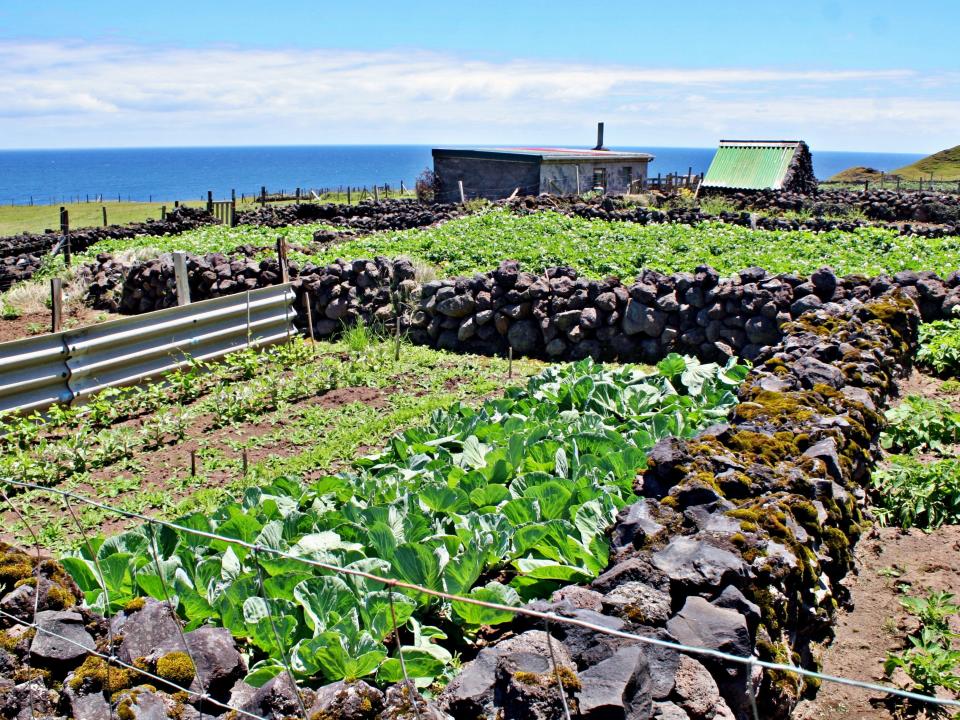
(618, 687)
(66, 642)
(688, 561)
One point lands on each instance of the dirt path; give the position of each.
(891, 563)
(887, 559)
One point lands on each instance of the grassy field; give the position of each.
(943, 165)
(597, 248)
(15, 219)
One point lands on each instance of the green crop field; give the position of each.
(599, 248)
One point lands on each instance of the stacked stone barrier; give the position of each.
(878, 204)
(935, 219)
(554, 315)
(22, 255)
(368, 216)
(737, 543)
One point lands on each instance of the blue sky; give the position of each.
(842, 75)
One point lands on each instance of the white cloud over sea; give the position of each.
(71, 94)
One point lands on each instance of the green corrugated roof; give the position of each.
(750, 165)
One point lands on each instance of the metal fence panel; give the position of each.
(32, 373)
(74, 364)
(143, 346)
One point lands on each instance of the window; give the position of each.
(600, 178)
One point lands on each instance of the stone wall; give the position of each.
(556, 315)
(366, 216)
(738, 544)
(562, 316)
(20, 255)
(938, 214)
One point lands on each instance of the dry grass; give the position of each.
(27, 298)
(423, 272)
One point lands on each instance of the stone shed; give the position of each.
(495, 173)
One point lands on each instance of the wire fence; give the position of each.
(391, 585)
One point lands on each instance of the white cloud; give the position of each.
(74, 93)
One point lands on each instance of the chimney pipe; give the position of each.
(599, 137)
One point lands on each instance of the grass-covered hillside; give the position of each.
(944, 165)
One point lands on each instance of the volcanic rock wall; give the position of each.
(849, 210)
(738, 544)
(368, 216)
(20, 255)
(556, 315)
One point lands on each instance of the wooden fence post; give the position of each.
(209, 201)
(56, 304)
(376, 193)
(183, 279)
(263, 195)
(348, 195)
(163, 212)
(463, 198)
(282, 259)
(104, 208)
(306, 302)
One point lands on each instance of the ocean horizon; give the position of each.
(167, 174)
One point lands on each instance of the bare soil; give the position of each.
(32, 324)
(888, 559)
(890, 563)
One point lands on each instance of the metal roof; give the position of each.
(548, 154)
(751, 164)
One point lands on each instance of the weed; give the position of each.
(940, 346)
(358, 337)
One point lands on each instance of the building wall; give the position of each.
(560, 178)
(485, 177)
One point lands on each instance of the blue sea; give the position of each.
(60, 176)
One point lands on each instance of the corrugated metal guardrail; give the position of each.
(71, 365)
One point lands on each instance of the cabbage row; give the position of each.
(505, 502)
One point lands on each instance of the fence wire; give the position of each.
(749, 662)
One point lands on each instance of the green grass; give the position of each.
(943, 165)
(858, 174)
(596, 248)
(15, 219)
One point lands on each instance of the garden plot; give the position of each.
(902, 619)
(294, 408)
